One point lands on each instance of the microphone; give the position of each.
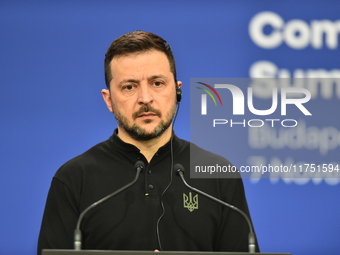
(179, 169)
(139, 166)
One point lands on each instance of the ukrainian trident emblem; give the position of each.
(190, 202)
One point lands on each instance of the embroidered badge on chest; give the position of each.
(190, 202)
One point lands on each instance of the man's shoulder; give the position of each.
(208, 170)
(89, 159)
(199, 154)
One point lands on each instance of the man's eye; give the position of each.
(128, 87)
(158, 83)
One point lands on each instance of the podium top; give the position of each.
(106, 252)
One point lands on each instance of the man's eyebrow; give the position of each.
(128, 81)
(156, 77)
(138, 81)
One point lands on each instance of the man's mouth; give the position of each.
(147, 114)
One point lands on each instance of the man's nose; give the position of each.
(145, 95)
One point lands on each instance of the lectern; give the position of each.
(101, 252)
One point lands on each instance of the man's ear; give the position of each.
(107, 99)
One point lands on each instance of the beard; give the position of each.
(137, 132)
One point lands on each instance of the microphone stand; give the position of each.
(77, 232)
(251, 238)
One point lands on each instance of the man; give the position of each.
(158, 211)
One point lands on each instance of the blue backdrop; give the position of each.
(52, 110)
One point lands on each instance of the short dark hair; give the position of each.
(134, 42)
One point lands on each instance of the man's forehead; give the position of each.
(131, 64)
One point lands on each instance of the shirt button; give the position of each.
(149, 171)
(150, 186)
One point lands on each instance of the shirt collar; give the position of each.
(121, 145)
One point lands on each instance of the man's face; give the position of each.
(142, 94)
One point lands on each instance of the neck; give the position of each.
(147, 148)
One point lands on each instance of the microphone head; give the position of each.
(139, 166)
(178, 168)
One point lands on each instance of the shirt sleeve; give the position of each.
(59, 219)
